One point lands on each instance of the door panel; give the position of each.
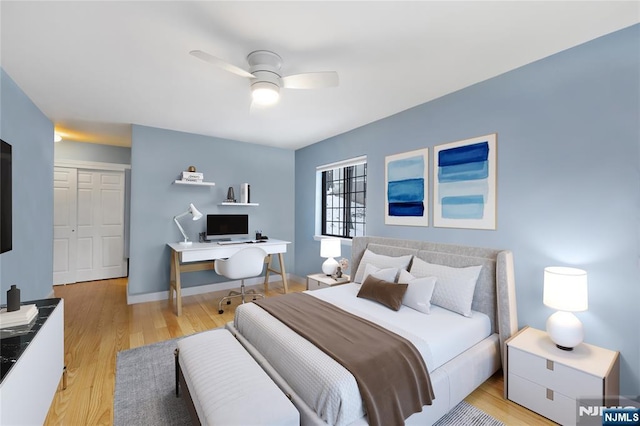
(64, 225)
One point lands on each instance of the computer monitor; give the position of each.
(227, 226)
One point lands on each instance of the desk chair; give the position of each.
(246, 263)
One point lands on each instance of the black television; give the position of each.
(227, 226)
(6, 203)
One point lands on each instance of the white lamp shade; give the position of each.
(330, 247)
(196, 216)
(195, 212)
(565, 289)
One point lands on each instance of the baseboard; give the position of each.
(133, 299)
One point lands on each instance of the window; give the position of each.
(343, 196)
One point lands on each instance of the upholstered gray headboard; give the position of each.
(495, 290)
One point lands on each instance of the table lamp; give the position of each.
(196, 215)
(565, 289)
(329, 248)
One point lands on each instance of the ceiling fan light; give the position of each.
(264, 93)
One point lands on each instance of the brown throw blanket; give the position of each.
(391, 374)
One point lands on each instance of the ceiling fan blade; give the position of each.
(311, 80)
(220, 63)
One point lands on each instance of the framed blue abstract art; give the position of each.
(406, 179)
(464, 189)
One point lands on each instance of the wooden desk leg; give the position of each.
(267, 260)
(283, 274)
(172, 278)
(175, 282)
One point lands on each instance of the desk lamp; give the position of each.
(329, 248)
(196, 215)
(565, 289)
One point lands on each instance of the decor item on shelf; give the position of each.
(13, 299)
(192, 176)
(330, 248)
(565, 289)
(196, 216)
(231, 197)
(245, 193)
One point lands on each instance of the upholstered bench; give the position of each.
(226, 385)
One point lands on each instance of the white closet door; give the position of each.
(64, 225)
(100, 231)
(88, 236)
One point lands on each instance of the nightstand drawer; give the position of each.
(553, 405)
(553, 375)
(315, 285)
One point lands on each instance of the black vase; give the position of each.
(13, 299)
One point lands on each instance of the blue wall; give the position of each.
(30, 264)
(568, 180)
(157, 158)
(83, 151)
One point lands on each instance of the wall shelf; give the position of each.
(184, 182)
(239, 204)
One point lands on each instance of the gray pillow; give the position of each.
(381, 261)
(387, 274)
(419, 292)
(454, 286)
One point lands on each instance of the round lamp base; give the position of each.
(565, 330)
(329, 266)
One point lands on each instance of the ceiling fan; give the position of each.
(266, 76)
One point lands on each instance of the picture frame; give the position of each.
(464, 183)
(407, 188)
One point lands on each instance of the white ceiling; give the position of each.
(94, 68)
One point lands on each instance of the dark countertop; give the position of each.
(14, 340)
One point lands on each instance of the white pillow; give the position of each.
(387, 274)
(381, 261)
(454, 287)
(419, 292)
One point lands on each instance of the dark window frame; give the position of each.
(347, 184)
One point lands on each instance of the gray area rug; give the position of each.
(145, 392)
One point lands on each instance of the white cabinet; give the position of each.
(317, 281)
(28, 387)
(550, 381)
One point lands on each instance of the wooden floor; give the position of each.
(99, 323)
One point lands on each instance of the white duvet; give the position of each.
(325, 385)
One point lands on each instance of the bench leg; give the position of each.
(175, 354)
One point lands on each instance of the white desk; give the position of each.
(199, 256)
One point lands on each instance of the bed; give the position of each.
(460, 355)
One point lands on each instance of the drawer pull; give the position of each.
(549, 394)
(549, 365)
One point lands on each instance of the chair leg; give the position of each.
(242, 290)
(228, 300)
(242, 294)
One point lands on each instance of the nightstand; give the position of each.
(316, 281)
(548, 380)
